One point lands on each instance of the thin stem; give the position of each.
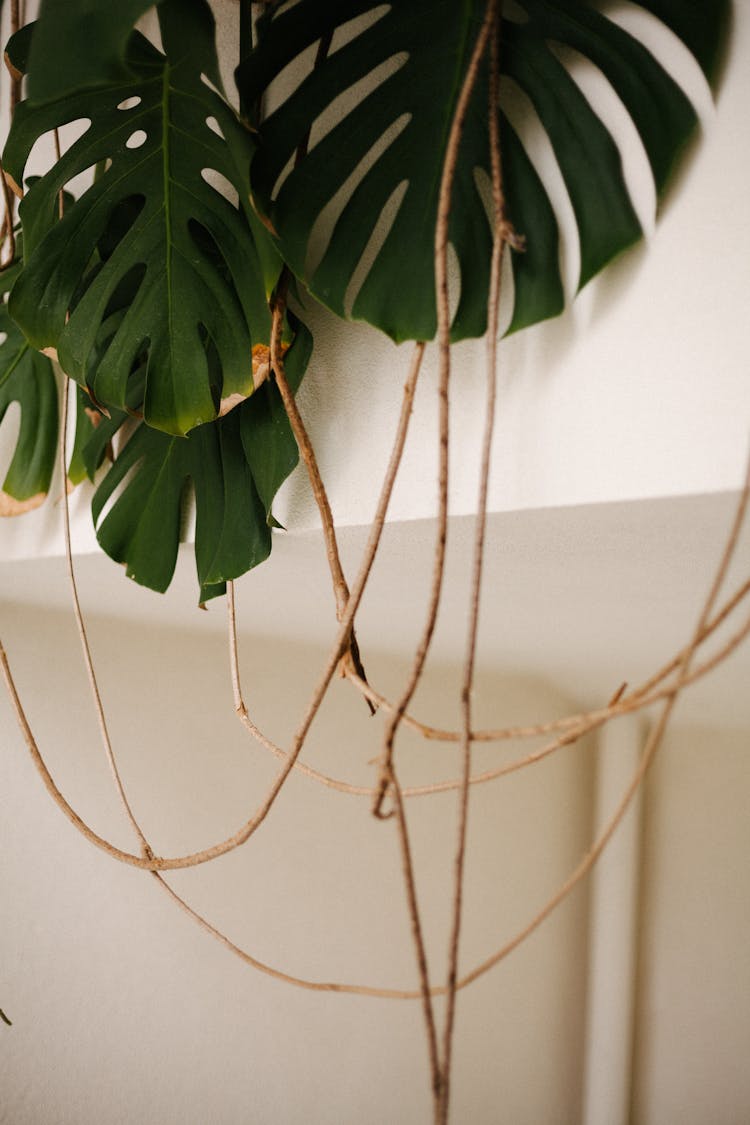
(591, 857)
(243, 834)
(307, 453)
(444, 357)
(82, 633)
(649, 753)
(410, 994)
(623, 704)
(476, 577)
(587, 724)
(339, 648)
(363, 575)
(593, 723)
(410, 885)
(15, 80)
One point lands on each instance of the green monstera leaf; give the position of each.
(236, 466)
(81, 43)
(88, 419)
(27, 378)
(201, 266)
(404, 65)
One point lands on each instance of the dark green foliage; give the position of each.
(154, 288)
(236, 466)
(424, 47)
(81, 43)
(26, 377)
(200, 272)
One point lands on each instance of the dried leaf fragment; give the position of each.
(9, 506)
(229, 403)
(13, 71)
(13, 185)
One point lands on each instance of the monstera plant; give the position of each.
(170, 288)
(153, 287)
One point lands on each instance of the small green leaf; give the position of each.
(84, 432)
(27, 378)
(236, 466)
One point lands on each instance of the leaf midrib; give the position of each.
(165, 100)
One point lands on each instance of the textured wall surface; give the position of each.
(640, 390)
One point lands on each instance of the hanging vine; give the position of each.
(173, 311)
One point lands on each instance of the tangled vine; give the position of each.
(173, 310)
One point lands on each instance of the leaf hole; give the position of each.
(123, 436)
(221, 185)
(130, 103)
(214, 126)
(454, 281)
(517, 107)
(124, 293)
(43, 154)
(668, 50)
(380, 232)
(345, 102)
(208, 248)
(323, 226)
(353, 28)
(211, 85)
(121, 220)
(600, 94)
(136, 139)
(289, 78)
(483, 184)
(10, 421)
(3, 338)
(514, 12)
(213, 362)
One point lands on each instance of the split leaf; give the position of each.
(380, 105)
(236, 466)
(193, 254)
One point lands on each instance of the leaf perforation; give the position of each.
(166, 170)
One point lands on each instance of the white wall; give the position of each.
(139, 1016)
(694, 980)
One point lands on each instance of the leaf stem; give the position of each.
(479, 544)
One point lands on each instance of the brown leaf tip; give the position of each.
(13, 185)
(9, 506)
(13, 71)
